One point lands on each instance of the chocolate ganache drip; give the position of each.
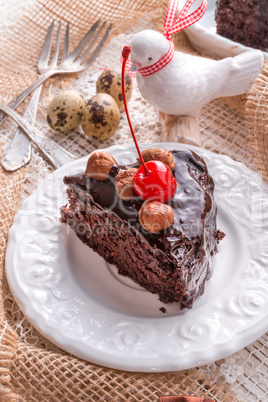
(192, 207)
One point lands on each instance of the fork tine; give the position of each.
(84, 41)
(98, 48)
(65, 49)
(54, 59)
(83, 56)
(44, 57)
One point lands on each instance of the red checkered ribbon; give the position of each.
(161, 63)
(172, 25)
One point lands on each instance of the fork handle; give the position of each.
(15, 102)
(18, 153)
(57, 155)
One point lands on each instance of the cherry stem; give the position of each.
(125, 53)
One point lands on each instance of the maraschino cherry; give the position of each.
(159, 184)
(153, 180)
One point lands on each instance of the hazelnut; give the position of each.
(99, 165)
(155, 216)
(124, 184)
(157, 154)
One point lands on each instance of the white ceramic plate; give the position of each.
(203, 37)
(73, 298)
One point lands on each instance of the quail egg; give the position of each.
(65, 110)
(100, 118)
(110, 82)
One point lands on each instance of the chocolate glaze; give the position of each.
(193, 208)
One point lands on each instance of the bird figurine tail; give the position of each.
(245, 68)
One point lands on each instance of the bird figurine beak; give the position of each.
(135, 65)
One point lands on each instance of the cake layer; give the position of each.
(243, 21)
(176, 262)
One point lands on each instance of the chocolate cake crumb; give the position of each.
(245, 22)
(220, 235)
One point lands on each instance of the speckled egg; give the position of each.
(109, 82)
(100, 118)
(65, 110)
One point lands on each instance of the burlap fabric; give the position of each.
(256, 109)
(31, 367)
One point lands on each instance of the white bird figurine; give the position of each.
(188, 82)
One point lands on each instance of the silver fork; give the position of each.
(53, 151)
(16, 155)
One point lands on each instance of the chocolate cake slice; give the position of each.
(175, 262)
(244, 21)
